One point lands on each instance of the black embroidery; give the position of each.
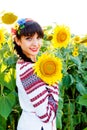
(42, 128)
(51, 100)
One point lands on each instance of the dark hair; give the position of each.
(30, 28)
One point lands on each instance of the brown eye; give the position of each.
(29, 38)
(38, 38)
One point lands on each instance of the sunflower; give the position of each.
(77, 39)
(61, 36)
(76, 48)
(75, 53)
(48, 68)
(9, 18)
(2, 35)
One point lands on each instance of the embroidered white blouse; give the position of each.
(38, 101)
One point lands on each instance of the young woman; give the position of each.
(38, 101)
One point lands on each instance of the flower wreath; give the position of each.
(20, 24)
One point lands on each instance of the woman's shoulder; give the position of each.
(23, 64)
(20, 61)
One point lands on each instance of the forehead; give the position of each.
(29, 35)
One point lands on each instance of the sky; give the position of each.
(71, 13)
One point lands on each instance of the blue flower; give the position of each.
(21, 21)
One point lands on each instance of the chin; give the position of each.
(34, 53)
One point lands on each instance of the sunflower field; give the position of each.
(69, 68)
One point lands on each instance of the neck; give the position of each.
(33, 58)
(28, 59)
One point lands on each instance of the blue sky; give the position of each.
(69, 12)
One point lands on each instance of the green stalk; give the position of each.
(2, 88)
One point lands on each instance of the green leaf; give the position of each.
(83, 100)
(67, 80)
(11, 60)
(59, 119)
(12, 83)
(60, 103)
(2, 123)
(76, 60)
(10, 76)
(6, 104)
(80, 87)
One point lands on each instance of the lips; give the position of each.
(34, 49)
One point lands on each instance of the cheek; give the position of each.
(40, 44)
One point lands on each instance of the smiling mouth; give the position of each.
(33, 49)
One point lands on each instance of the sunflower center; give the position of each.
(48, 68)
(61, 36)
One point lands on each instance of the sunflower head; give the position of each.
(77, 39)
(9, 18)
(48, 68)
(2, 35)
(75, 53)
(61, 36)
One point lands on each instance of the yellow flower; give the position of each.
(85, 44)
(49, 37)
(77, 39)
(7, 76)
(61, 36)
(16, 26)
(75, 48)
(2, 35)
(50, 48)
(8, 18)
(75, 53)
(3, 67)
(48, 68)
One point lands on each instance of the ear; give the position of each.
(17, 41)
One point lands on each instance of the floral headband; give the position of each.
(20, 24)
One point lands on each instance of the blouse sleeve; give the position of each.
(43, 98)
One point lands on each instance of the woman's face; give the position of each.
(30, 45)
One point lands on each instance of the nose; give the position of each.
(35, 41)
